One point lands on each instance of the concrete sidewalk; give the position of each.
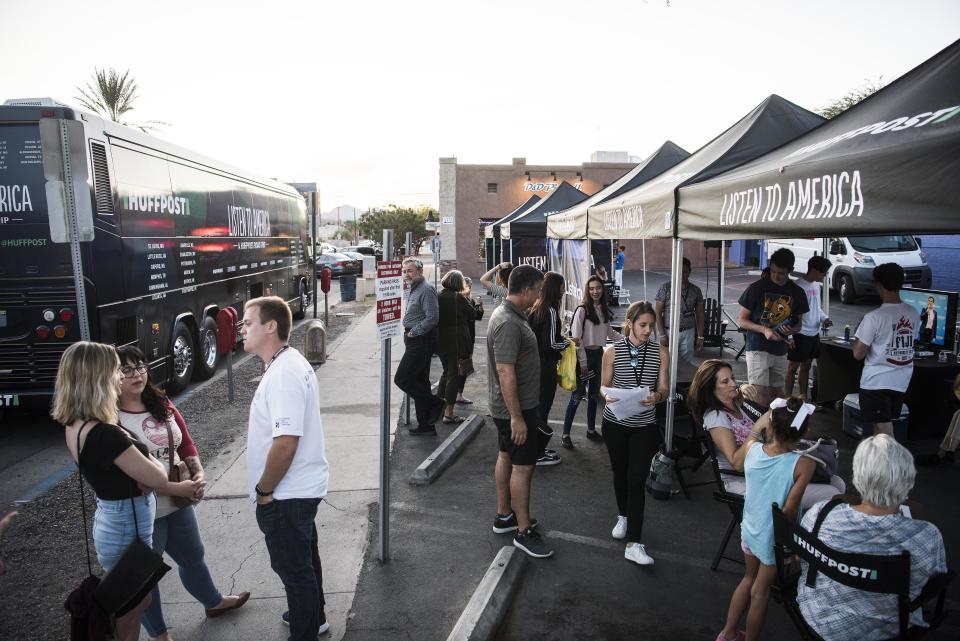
(235, 551)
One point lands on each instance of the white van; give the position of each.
(854, 257)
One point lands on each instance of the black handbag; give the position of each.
(133, 576)
(465, 366)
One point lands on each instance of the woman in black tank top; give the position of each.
(635, 361)
(112, 461)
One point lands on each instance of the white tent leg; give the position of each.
(676, 283)
(643, 254)
(826, 285)
(723, 274)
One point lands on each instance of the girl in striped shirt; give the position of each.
(634, 361)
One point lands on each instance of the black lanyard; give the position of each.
(643, 362)
(279, 351)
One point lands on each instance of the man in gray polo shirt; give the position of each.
(514, 386)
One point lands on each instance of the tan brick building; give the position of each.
(473, 195)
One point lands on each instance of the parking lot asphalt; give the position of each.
(442, 542)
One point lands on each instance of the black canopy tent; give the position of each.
(571, 223)
(524, 237)
(650, 210)
(491, 234)
(888, 164)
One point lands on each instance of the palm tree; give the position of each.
(112, 95)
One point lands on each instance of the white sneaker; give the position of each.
(637, 553)
(620, 529)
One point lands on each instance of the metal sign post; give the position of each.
(436, 260)
(314, 200)
(389, 289)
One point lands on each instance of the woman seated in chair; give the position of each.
(883, 473)
(717, 403)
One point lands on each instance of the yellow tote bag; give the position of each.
(567, 367)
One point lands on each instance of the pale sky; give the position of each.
(364, 96)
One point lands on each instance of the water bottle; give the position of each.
(846, 333)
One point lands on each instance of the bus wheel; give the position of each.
(206, 361)
(181, 356)
(304, 300)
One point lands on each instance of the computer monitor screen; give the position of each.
(938, 315)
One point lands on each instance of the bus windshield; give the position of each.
(894, 243)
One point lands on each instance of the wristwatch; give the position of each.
(260, 492)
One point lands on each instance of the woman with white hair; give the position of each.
(883, 473)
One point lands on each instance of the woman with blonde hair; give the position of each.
(633, 361)
(112, 461)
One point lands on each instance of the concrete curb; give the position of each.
(488, 605)
(448, 452)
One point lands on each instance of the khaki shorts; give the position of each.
(767, 369)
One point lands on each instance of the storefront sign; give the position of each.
(550, 186)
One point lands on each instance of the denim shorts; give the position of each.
(113, 527)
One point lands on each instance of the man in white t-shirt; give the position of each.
(286, 462)
(806, 342)
(885, 340)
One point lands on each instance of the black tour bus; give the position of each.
(112, 235)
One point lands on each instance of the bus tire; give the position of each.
(206, 354)
(181, 359)
(304, 292)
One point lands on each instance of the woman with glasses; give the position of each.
(147, 413)
(119, 468)
(634, 361)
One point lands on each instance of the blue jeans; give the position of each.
(178, 535)
(114, 530)
(290, 531)
(594, 364)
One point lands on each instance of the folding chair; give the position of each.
(733, 501)
(888, 575)
(715, 326)
(623, 296)
(688, 440)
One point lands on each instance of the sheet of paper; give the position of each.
(629, 401)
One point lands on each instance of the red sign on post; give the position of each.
(389, 290)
